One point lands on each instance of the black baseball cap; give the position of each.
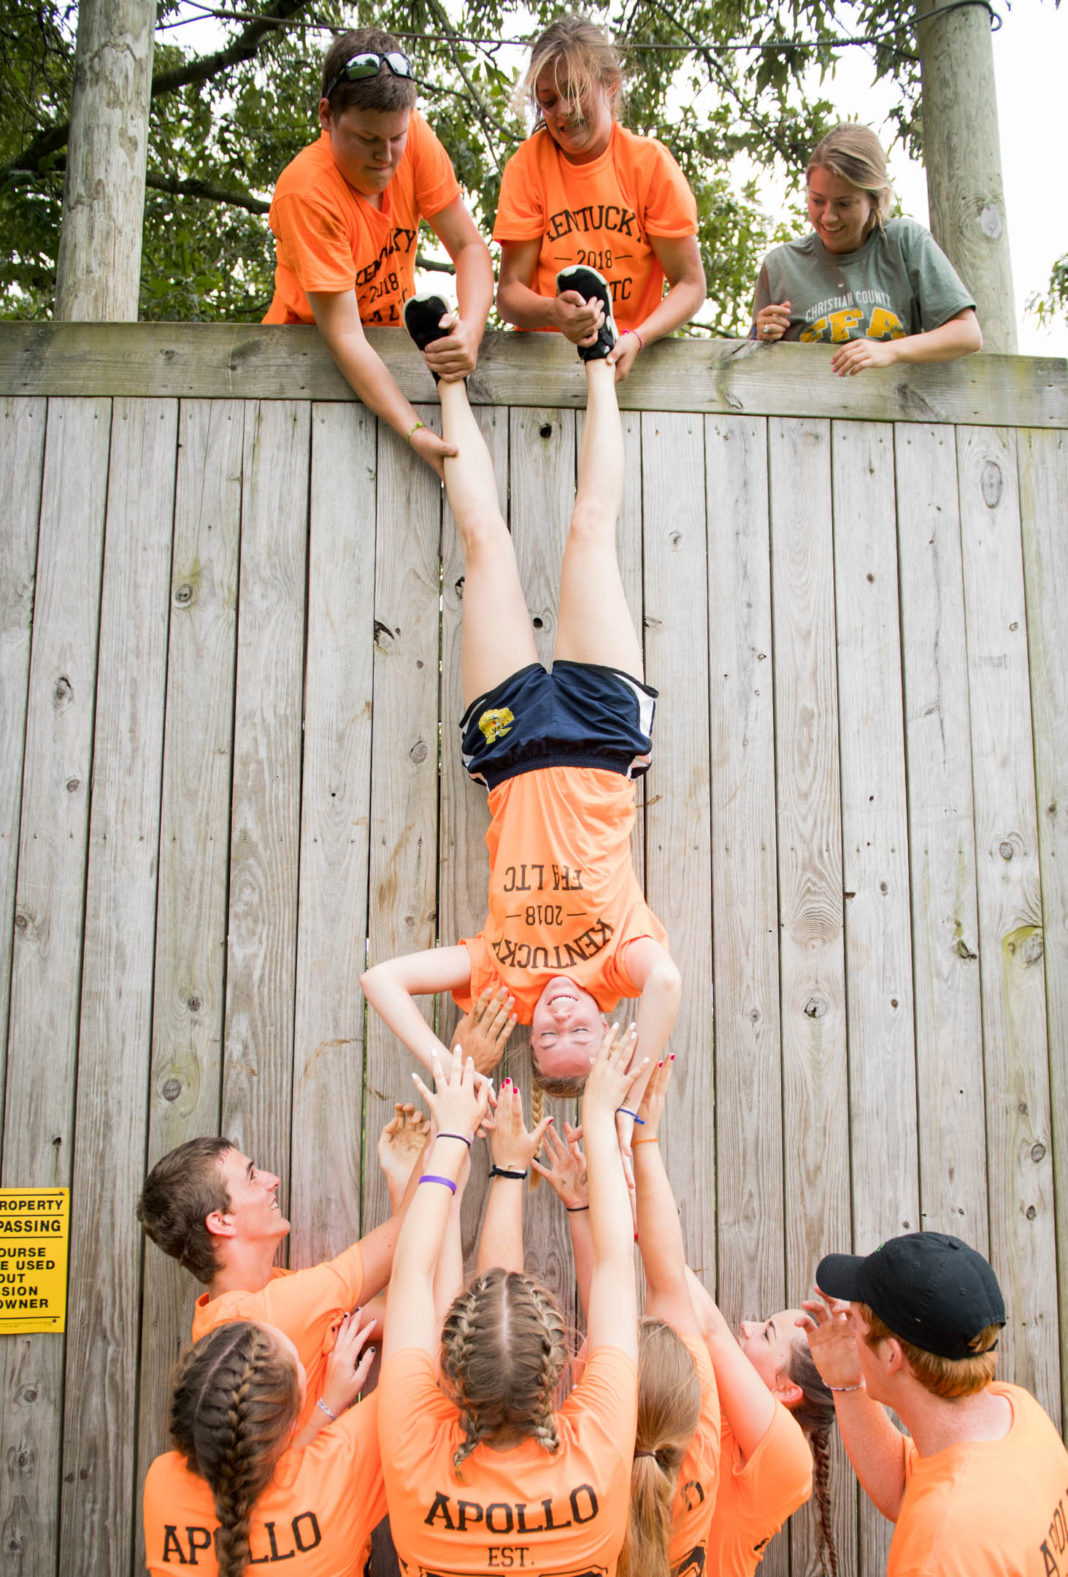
(930, 1289)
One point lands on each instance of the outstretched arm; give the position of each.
(566, 1171)
(959, 337)
(745, 1400)
(680, 258)
(517, 303)
(456, 353)
(338, 319)
(875, 1448)
(391, 987)
(667, 1293)
(653, 970)
(613, 1312)
(513, 1149)
(457, 1106)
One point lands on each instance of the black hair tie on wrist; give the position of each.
(503, 1171)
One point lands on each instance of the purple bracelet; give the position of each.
(428, 1177)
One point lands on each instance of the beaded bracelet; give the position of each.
(503, 1171)
(429, 1177)
(831, 1387)
(328, 1411)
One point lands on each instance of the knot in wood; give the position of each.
(22, 921)
(1038, 1153)
(815, 1007)
(183, 594)
(171, 1090)
(1005, 849)
(194, 1004)
(73, 785)
(63, 691)
(384, 636)
(1033, 949)
(1030, 1212)
(418, 752)
(545, 430)
(990, 484)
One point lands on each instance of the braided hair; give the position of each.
(234, 1403)
(503, 1350)
(669, 1407)
(815, 1413)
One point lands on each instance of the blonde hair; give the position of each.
(816, 1416)
(855, 154)
(669, 1407)
(503, 1350)
(580, 56)
(234, 1403)
(944, 1377)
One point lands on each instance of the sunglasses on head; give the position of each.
(368, 64)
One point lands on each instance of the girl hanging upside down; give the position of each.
(568, 932)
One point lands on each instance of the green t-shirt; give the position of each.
(899, 282)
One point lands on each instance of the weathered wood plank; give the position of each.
(259, 361)
(325, 1167)
(1043, 462)
(265, 807)
(22, 432)
(189, 994)
(815, 1115)
(462, 863)
(542, 447)
(678, 835)
(751, 1278)
(1010, 909)
(403, 869)
(99, 1437)
(49, 906)
(878, 954)
(882, 1076)
(945, 926)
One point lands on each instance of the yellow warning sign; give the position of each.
(34, 1237)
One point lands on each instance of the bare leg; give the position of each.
(594, 624)
(497, 636)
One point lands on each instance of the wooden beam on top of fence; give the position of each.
(267, 362)
(49, 911)
(22, 434)
(114, 1043)
(1043, 464)
(1018, 1116)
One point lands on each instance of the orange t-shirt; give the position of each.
(695, 1497)
(563, 896)
(528, 1509)
(317, 1513)
(756, 1497)
(987, 1508)
(307, 1305)
(602, 214)
(329, 238)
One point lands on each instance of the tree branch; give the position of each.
(197, 188)
(244, 47)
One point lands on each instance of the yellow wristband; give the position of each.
(413, 429)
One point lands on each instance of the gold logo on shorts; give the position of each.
(495, 723)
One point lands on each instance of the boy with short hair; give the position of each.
(978, 1484)
(345, 216)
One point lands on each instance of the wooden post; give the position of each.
(99, 265)
(963, 159)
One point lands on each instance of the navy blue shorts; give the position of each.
(576, 715)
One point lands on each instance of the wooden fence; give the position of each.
(229, 617)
